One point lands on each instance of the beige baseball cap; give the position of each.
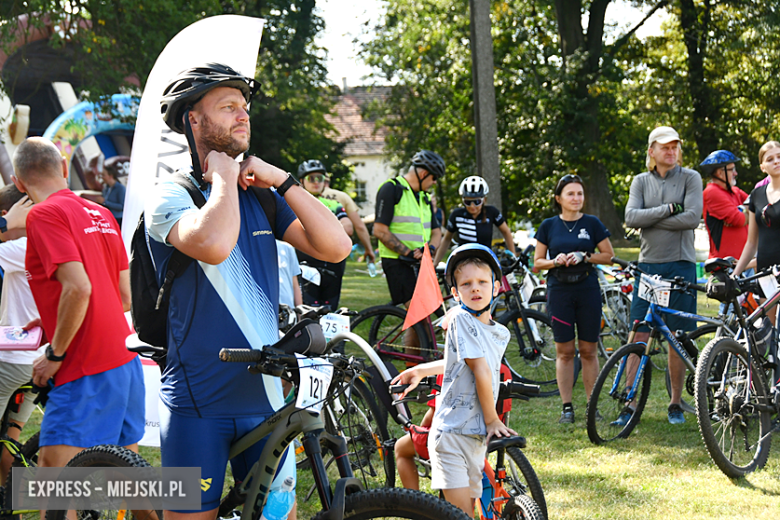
(663, 135)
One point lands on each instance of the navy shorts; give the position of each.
(204, 442)
(574, 306)
(678, 300)
(105, 408)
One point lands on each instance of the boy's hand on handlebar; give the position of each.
(408, 377)
(498, 429)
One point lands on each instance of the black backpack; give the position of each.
(150, 300)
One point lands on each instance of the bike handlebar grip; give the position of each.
(241, 355)
(620, 262)
(697, 287)
(397, 389)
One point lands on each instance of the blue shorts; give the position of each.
(204, 442)
(105, 408)
(577, 306)
(679, 300)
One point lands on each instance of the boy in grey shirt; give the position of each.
(466, 417)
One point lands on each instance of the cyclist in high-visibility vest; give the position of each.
(404, 223)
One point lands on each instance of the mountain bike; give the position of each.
(24, 455)
(297, 357)
(736, 390)
(615, 389)
(511, 489)
(616, 309)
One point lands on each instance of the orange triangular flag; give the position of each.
(427, 295)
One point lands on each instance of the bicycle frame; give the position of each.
(654, 320)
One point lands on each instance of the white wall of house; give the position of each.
(374, 171)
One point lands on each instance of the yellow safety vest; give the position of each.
(411, 220)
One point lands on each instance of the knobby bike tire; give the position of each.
(522, 480)
(382, 328)
(700, 337)
(106, 456)
(522, 507)
(360, 422)
(29, 452)
(529, 362)
(734, 427)
(601, 425)
(396, 503)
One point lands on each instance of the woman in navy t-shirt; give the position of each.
(566, 246)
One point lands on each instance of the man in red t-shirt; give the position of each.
(78, 272)
(724, 212)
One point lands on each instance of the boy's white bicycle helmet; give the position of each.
(473, 188)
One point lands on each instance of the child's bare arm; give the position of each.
(412, 376)
(483, 376)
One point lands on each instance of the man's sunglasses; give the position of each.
(477, 202)
(316, 178)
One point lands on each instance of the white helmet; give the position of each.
(473, 188)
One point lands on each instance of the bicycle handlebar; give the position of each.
(677, 280)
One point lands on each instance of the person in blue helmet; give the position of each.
(466, 417)
(725, 215)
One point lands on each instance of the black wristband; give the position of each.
(286, 185)
(51, 357)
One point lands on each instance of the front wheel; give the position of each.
(531, 353)
(396, 503)
(522, 508)
(521, 480)
(107, 456)
(609, 414)
(732, 408)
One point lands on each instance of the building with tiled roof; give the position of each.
(365, 142)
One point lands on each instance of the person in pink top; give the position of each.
(724, 211)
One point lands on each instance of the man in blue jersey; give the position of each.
(228, 297)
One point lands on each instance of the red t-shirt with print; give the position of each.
(66, 228)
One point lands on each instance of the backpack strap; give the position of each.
(267, 200)
(179, 261)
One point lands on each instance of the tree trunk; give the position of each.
(705, 114)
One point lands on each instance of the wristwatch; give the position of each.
(52, 357)
(286, 185)
(3, 225)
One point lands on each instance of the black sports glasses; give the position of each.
(477, 202)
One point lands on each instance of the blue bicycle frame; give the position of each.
(654, 320)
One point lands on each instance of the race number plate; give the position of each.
(653, 289)
(315, 375)
(332, 324)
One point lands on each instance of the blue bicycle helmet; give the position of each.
(465, 252)
(469, 251)
(717, 159)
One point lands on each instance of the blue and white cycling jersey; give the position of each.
(233, 304)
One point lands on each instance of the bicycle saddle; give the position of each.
(505, 442)
(717, 264)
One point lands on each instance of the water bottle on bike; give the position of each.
(280, 501)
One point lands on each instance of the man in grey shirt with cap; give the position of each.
(665, 204)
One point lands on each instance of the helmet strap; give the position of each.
(724, 181)
(197, 171)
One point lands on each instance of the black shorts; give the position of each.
(328, 292)
(570, 306)
(401, 279)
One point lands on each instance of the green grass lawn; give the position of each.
(660, 472)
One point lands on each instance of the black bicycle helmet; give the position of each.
(192, 84)
(311, 166)
(431, 161)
